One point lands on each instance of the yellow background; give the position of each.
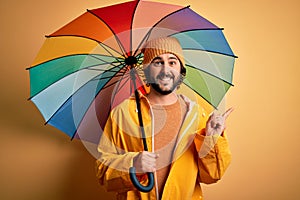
(40, 162)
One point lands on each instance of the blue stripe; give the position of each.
(69, 116)
(207, 40)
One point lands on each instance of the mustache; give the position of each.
(164, 75)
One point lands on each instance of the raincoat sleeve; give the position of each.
(214, 155)
(112, 167)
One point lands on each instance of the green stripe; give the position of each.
(209, 87)
(45, 74)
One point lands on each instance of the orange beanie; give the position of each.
(158, 46)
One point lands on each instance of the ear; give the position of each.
(182, 70)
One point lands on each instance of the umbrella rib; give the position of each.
(149, 32)
(68, 100)
(105, 62)
(74, 134)
(92, 55)
(215, 107)
(115, 67)
(209, 74)
(103, 78)
(117, 39)
(106, 86)
(81, 36)
(210, 51)
(208, 29)
(125, 77)
(131, 25)
(119, 88)
(120, 48)
(105, 47)
(103, 70)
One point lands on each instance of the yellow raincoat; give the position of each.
(197, 158)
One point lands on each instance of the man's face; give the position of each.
(164, 73)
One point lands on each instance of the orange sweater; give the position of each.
(167, 123)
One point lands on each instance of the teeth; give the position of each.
(165, 78)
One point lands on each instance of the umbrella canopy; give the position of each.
(83, 69)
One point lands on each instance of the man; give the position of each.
(186, 146)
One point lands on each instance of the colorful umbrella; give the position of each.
(90, 65)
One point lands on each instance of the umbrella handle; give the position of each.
(136, 182)
(132, 172)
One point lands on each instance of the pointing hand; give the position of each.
(216, 123)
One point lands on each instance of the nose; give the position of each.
(165, 68)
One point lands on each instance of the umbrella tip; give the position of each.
(130, 60)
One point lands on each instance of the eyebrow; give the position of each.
(157, 58)
(170, 58)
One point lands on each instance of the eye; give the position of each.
(173, 63)
(158, 63)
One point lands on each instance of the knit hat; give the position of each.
(158, 46)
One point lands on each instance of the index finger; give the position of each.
(151, 154)
(227, 113)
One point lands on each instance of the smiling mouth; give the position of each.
(165, 77)
(164, 84)
(166, 80)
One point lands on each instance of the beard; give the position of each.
(158, 88)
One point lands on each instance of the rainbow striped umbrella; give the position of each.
(93, 63)
(84, 69)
